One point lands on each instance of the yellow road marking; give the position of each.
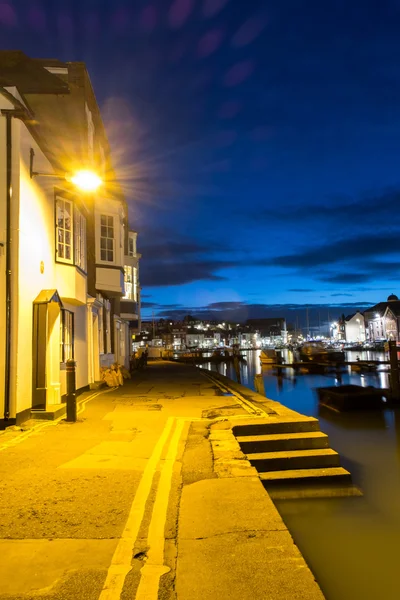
(122, 558)
(154, 568)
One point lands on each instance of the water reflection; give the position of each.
(351, 544)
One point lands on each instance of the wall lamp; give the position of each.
(84, 179)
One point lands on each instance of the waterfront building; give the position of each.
(271, 331)
(354, 328)
(62, 251)
(382, 321)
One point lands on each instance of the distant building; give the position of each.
(382, 321)
(354, 326)
(271, 330)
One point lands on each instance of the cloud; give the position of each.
(300, 290)
(240, 312)
(178, 273)
(341, 294)
(167, 249)
(348, 249)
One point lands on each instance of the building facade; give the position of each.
(382, 321)
(354, 328)
(63, 253)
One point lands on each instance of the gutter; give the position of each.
(19, 112)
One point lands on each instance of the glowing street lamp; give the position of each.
(84, 179)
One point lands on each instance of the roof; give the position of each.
(29, 76)
(380, 308)
(47, 296)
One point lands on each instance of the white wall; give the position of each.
(38, 271)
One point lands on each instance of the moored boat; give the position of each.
(268, 356)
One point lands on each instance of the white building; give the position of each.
(382, 321)
(62, 252)
(355, 328)
(194, 340)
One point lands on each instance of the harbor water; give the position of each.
(351, 544)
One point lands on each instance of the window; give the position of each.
(107, 345)
(128, 283)
(80, 240)
(101, 330)
(64, 230)
(135, 283)
(107, 238)
(131, 247)
(66, 335)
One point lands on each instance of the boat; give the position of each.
(268, 356)
(318, 352)
(352, 397)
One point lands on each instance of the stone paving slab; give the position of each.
(51, 561)
(233, 538)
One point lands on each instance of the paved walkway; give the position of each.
(138, 500)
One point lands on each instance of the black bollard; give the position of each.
(71, 391)
(394, 370)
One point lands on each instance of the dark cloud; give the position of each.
(150, 305)
(239, 312)
(346, 278)
(349, 212)
(178, 273)
(341, 294)
(300, 290)
(176, 249)
(349, 249)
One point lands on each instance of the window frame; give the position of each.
(101, 237)
(67, 325)
(128, 285)
(80, 239)
(67, 261)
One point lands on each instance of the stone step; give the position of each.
(293, 477)
(283, 441)
(272, 426)
(294, 459)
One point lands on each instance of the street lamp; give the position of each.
(84, 179)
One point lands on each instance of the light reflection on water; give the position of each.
(351, 544)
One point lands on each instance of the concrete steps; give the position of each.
(283, 441)
(334, 474)
(294, 459)
(266, 427)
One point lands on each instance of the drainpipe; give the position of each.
(20, 112)
(7, 382)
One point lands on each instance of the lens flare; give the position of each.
(86, 180)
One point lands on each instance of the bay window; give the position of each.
(128, 283)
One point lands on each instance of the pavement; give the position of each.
(146, 497)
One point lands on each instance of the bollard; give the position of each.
(259, 385)
(394, 370)
(71, 391)
(236, 366)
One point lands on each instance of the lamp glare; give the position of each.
(87, 181)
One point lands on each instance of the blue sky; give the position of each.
(258, 143)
